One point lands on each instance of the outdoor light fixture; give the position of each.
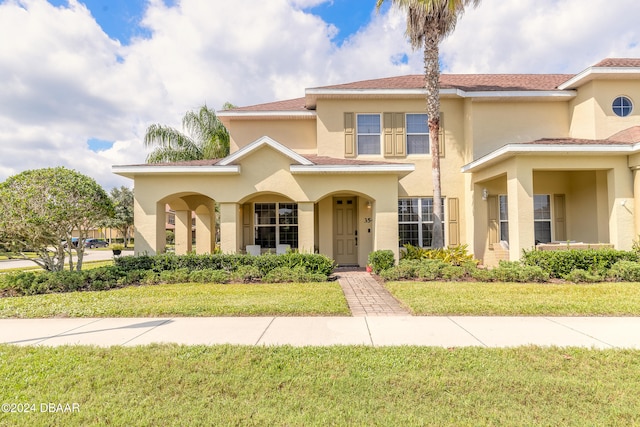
(485, 194)
(368, 204)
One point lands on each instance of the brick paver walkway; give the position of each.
(366, 297)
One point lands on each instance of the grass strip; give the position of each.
(172, 385)
(283, 299)
(518, 299)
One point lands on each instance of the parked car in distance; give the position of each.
(95, 243)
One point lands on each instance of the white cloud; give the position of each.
(63, 81)
(542, 36)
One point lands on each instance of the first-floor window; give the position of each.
(503, 212)
(542, 217)
(276, 224)
(415, 221)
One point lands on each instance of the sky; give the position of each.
(81, 80)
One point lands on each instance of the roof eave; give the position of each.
(511, 150)
(593, 73)
(312, 95)
(133, 171)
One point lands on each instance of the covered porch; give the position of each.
(526, 201)
(267, 198)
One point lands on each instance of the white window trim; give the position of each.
(550, 220)
(379, 153)
(501, 220)
(420, 222)
(406, 136)
(277, 225)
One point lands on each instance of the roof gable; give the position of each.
(262, 142)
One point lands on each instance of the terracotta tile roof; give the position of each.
(297, 104)
(625, 137)
(207, 162)
(619, 62)
(327, 161)
(630, 136)
(467, 82)
(575, 141)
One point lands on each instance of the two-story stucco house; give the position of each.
(346, 169)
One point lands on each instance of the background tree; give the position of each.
(122, 220)
(39, 210)
(205, 138)
(429, 22)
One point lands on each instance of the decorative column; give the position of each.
(183, 232)
(521, 221)
(206, 229)
(306, 222)
(229, 226)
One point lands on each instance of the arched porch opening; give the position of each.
(192, 217)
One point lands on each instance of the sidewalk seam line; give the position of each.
(366, 322)
(265, 330)
(147, 331)
(462, 327)
(580, 332)
(95, 320)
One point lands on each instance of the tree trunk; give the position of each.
(432, 86)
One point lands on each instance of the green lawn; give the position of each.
(515, 299)
(173, 385)
(286, 299)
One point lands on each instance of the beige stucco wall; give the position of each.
(592, 114)
(297, 134)
(495, 124)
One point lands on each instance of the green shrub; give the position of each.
(430, 269)
(381, 260)
(246, 274)
(180, 275)
(150, 277)
(582, 276)
(514, 271)
(413, 252)
(209, 275)
(482, 275)
(455, 255)
(398, 272)
(561, 263)
(452, 272)
(625, 271)
(286, 274)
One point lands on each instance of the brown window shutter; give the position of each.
(454, 222)
(388, 134)
(492, 206)
(559, 216)
(399, 137)
(349, 135)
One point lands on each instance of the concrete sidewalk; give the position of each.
(590, 332)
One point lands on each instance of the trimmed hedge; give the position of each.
(561, 263)
(169, 268)
(312, 263)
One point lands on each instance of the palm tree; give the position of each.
(206, 138)
(429, 22)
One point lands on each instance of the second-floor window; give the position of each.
(417, 134)
(368, 133)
